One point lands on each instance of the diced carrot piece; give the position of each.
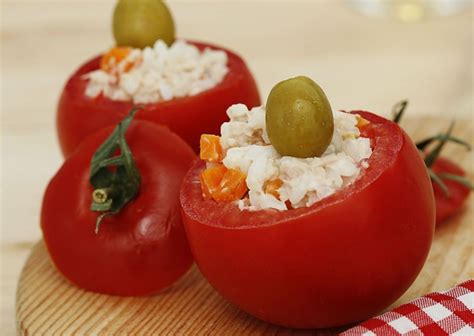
(222, 184)
(113, 57)
(361, 122)
(211, 149)
(211, 179)
(271, 187)
(232, 187)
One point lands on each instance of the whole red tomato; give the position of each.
(341, 260)
(450, 203)
(189, 117)
(141, 249)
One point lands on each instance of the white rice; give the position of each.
(160, 73)
(305, 181)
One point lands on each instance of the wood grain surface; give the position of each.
(49, 305)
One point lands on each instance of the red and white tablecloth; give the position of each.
(443, 313)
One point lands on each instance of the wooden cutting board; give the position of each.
(49, 305)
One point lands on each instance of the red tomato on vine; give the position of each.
(450, 185)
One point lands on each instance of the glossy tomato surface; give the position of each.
(342, 260)
(449, 205)
(189, 117)
(138, 251)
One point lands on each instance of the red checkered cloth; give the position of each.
(445, 313)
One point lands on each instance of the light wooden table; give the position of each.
(360, 62)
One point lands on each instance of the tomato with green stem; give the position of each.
(450, 185)
(110, 216)
(453, 191)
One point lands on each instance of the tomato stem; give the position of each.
(457, 178)
(421, 145)
(102, 195)
(114, 188)
(99, 220)
(436, 179)
(398, 110)
(431, 157)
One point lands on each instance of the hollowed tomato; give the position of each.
(341, 260)
(189, 117)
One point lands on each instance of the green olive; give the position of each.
(299, 118)
(140, 23)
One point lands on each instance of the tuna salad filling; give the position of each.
(244, 167)
(156, 74)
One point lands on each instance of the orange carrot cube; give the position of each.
(361, 122)
(113, 57)
(211, 149)
(232, 187)
(222, 184)
(211, 179)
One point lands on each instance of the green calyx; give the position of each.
(115, 179)
(430, 157)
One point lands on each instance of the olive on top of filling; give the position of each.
(299, 118)
(140, 23)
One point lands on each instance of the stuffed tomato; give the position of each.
(329, 258)
(79, 115)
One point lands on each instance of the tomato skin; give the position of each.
(340, 261)
(447, 206)
(189, 117)
(138, 251)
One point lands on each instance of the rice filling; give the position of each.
(303, 181)
(159, 74)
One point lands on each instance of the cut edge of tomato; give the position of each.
(94, 64)
(381, 127)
